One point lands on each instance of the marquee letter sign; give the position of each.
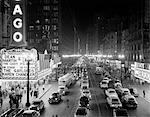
(18, 32)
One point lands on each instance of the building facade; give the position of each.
(5, 23)
(44, 25)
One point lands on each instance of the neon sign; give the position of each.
(18, 23)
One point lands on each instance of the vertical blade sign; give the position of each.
(18, 23)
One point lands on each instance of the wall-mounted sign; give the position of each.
(18, 33)
(14, 64)
(142, 74)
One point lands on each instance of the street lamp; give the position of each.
(28, 84)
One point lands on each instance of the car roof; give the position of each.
(37, 100)
(29, 111)
(129, 96)
(110, 89)
(114, 96)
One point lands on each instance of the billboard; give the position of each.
(14, 64)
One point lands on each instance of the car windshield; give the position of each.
(84, 87)
(115, 101)
(104, 82)
(36, 102)
(111, 91)
(86, 92)
(81, 111)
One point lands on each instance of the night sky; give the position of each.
(84, 10)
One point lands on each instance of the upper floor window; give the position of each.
(31, 27)
(47, 8)
(55, 8)
(55, 1)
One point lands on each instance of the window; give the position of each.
(55, 20)
(55, 48)
(46, 1)
(31, 27)
(56, 34)
(47, 8)
(55, 14)
(38, 27)
(55, 1)
(54, 27)
(55, 8)
(55, 40)
(47, 21)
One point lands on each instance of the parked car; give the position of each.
(110, 92)
(104, 84)
(114, 102)
(129, 101)
(134, 92)
(55, 98)
(120, 113)
(81, 112)
(31, 113)
(37, 105)
(86, 93)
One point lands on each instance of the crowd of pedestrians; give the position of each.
(15, 95)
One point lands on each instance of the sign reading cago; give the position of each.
(14, 64)
(18, 23)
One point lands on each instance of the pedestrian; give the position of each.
(144, 93)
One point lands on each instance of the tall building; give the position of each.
(44, 25)
(5, 23)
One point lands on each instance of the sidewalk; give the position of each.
(140, 87)
(24, 98)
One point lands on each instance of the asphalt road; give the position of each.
(98, 103)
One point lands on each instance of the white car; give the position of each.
(30, 113)
(86, 93)
(81, 112)
(104, 84)
(107, 79)
(114, 102)
(110, 92)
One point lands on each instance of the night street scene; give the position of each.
(74, 58)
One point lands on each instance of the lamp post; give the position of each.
(28, 72)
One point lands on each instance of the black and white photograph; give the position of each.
(74, 58)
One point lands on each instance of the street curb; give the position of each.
(45, 92)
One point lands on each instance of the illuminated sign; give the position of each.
(18, 23)
(142, 74)
(14, 64)
(139, 65)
